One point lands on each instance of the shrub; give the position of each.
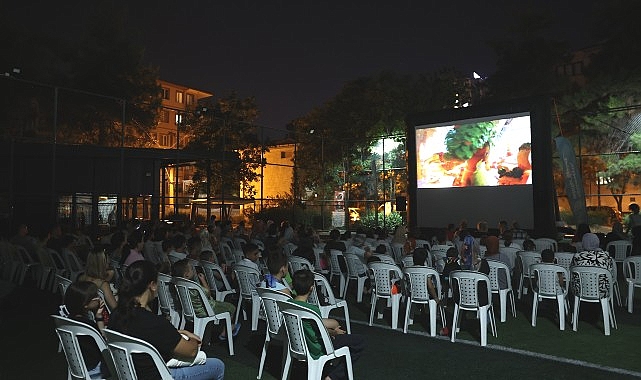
(389, 221)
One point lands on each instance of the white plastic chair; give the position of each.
(211, 270)
(619, 250)
(297, 345)
(248, 279)
(385, 258)
(185, 289)
(335, 269)
(545, 243)
(587, 289)
(318, 251)
(74, 266)
(564, 259)
(525, 259)
(356, 270)
(385, 275)
(399, 251)
(330, 301)
(438, 254)
(632, 271)
(68, 331)
(465, 285)
(417, 277)
(123, 346)
(166, 301)
(275, 329)
(62, 283)
(26, 264)
(297, 263)
(495, 268)
(545, 284)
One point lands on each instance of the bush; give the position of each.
(389, 221)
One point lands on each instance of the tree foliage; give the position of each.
(226, 124)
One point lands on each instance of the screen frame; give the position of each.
(543, 197)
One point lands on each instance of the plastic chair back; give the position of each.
(619, 249)
(123, 346)
(297, 263)
(545, 280)
(417, 282)
(68, 331)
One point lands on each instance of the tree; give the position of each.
(527, 60)
(225, 125)
(622, 170)
(365, 110)
(94, 67)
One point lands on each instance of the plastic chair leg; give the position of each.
(396, 301)
(560, 300)
(432, 306)
(630, 297)
(605, 308)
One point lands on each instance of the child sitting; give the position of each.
(184, 269)
(303, 283)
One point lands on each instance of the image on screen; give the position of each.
(482, 152)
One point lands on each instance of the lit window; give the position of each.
(165, 93)
(179, 96)
(190, 99)
(179, 118)
(164, 140)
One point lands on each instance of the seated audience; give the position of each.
(80, 302)
(303, 283)
(277, 266)
(184, 269)
(96, 271)
(134, 317)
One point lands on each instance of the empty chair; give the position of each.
(293, 316)
(593, 284)
(330, 302)
(185, 290)
(632, 271)
(417, 277)
(549, 281)
(385, 276)
(74, 266)
(336, 269)
(216, 275)
(122, 348)
(438, 254)
(524, 260)
(502, 287)
(317, 263)
(297, 263)
(465, 286)
(26, 264)
(619, 250)
(168, 306)
(275, 329)
(248, 279)
(69, 331)
(545, 243)
(356, 271)
(511, 254)
(62, 283)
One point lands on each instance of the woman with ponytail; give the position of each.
(179, 348)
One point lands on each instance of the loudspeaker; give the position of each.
(401, 203)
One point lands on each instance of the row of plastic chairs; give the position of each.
(117, 350)
(285, 323)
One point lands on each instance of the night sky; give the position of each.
(295, 55)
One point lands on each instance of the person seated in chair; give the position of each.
(184, 269)
(275, 279)
(134, 317)
(303, 283)
(81, 301)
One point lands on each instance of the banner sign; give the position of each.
(573, 181)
